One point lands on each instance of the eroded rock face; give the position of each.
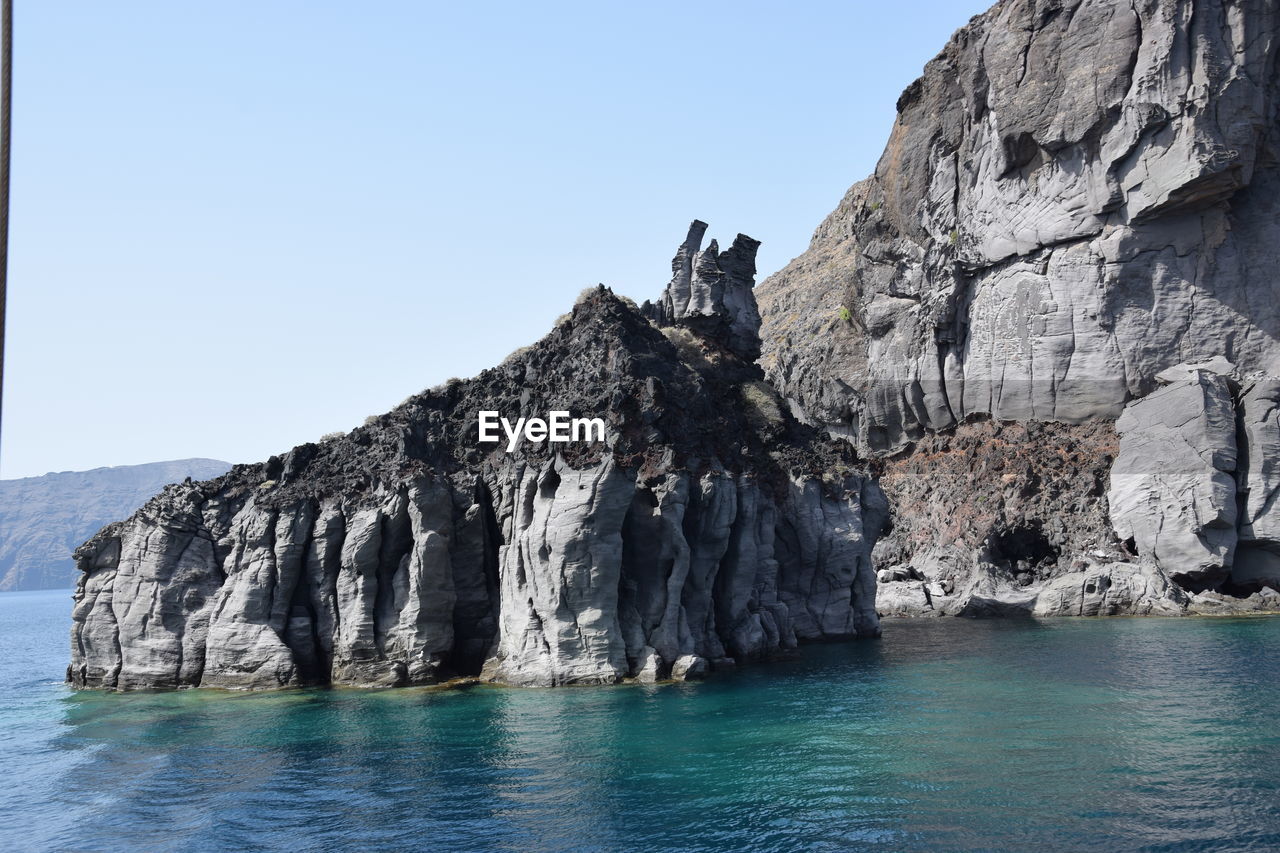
(1078, 196)
(1173, 487)
(709, 528)
(713, 292)
(1050, 318)
(1023, 503)
(1257, 557)
(560, 569)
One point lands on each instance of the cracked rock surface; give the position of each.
(1173, 489)
(709, 528)
(1077, 197)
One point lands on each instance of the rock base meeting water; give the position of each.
(944, 735)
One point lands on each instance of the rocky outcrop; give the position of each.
(712, 292)
(708, 528)
(1173, 487)
(1106, 589)
(1047, 325)
(1077, 197)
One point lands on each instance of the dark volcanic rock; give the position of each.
(709, 526)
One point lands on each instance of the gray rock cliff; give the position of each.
(1173, 486)
(709, 527)
(1077, 197)
(712, 291)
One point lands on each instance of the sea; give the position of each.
(946, 734)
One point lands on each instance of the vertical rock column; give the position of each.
(1173, 490)
(655, 565)
(712, 292)
(751, 619)
(1257, 560)
(559, 574)
(826, 578)
(245, 646)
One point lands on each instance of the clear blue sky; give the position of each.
(240, 225)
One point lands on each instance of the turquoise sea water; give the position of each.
(1122, 734)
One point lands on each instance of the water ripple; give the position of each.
(1116, 735)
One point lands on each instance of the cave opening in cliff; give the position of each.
(1255, 567)
(1023, 546)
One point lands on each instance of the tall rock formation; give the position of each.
(1077, 197)
(711, 292)
(709, 527)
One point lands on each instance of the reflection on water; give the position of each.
(1121, 734)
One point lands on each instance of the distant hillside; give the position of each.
(43, 519)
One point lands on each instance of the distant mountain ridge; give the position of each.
(43, 519)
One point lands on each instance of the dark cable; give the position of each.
(6, 111)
